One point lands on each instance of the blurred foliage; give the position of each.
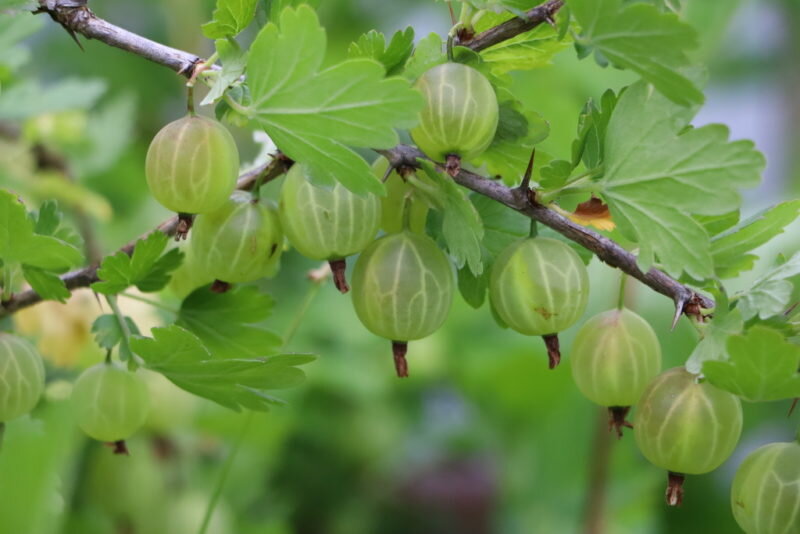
(481, 439)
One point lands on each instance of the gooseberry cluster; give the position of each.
(402, 290)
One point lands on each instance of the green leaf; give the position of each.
(502, 227)
(592, 125)
(277, 6)
(20, 244)
(763, 366)
(715, 338)
(658, 173)
(228, 322)
(529, 50)
(108, 333)
(427, 54)
(28, 98)
(555, 174)
(230, 18)
(313, 115)
(729, 249)
(518, 131)
(716, 224)
(372, 45)
(641, 38)
(234, 383)
(462, 228)
(48, 285)
(146, 268)
(771, 294)
(234, 62)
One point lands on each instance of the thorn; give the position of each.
(399, 350)
(793, 406)
(525, 185)
(549, 19)
(680, 304)
(339, 278)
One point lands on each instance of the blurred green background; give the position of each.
(481, 439)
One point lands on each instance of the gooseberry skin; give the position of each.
(686, 426)
(21, 377)
(614, 357)
(765, 496)
(192, 165)
(110, 403)
(403, 286)
(326, 224)
(539, 286)
(460, 114)
(240, 242)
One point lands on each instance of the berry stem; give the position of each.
(553, 349)
(190, 99)
(534, 229)
(399, 350)
(339, 277)
(675, 488)
(623, 282)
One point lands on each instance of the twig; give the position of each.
(604, 248)
(75, 16)
(511, 28)
(88, 275)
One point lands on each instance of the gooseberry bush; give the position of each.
(418, 158)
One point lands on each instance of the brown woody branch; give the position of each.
(603, 247)
(75, 17)
(88, 275)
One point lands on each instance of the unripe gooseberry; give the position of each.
(614, 357)
(765, 496)
(240, 242)
(21, 377)
(327, 224)
(402, 290)
(460, 116)
(686, 426)
(539, 287)
(192, 165)
(110, 402)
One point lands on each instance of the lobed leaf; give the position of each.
(659, 172)
(314, 115)
(234, 383)
(641, 38)
(763, 366)
(372, 45)
(227, 323)
(230, 18)
(729, 249)
(146, 268)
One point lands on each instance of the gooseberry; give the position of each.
(21, 377)
(539, 287)
(402, 290)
